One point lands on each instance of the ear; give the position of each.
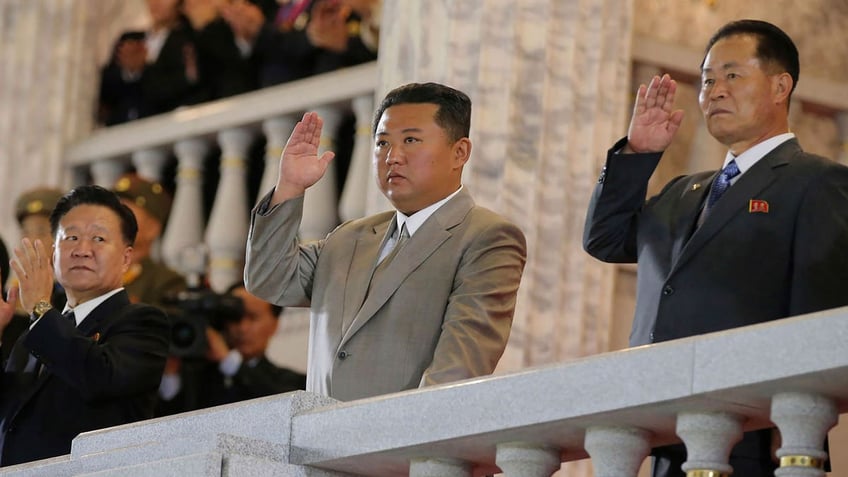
(127, 259)
(461, 152)
(782, 87)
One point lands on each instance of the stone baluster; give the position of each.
(149, 163)
(431, 467)
(359, 175)
(525, 459)
(320, 203)
(617, 451)
(226, 232)
(277, 131)
(184, 231)
(709, 437)
(842, 124)
(105, 173)
(803, 420)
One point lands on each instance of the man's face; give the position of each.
(742, 103)
(90, 255)
(37, 226)
(417, 164)
(149, 229)
(251, 334)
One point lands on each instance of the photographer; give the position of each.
(234, 367)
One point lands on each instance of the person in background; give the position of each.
(764, 238)
(151, 72)
(147, 280)
(235, 367)
(420, 295)
(98, 362)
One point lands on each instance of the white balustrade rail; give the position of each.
(232, 123)
(704, 391)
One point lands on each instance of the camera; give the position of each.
(192, 311)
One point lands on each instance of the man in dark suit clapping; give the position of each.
(99, 363)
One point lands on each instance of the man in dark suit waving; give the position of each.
(762, 239)
(99, 363)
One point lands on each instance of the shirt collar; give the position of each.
(82, 310)
(415, 221)
(747, 159)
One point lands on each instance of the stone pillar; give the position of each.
(435, 467)
(320, 203)
(525, 459)
(803, 420)
(185, 224)
(277, 131)
(106, 172)
(617, 451)
(359, 175)
(842, 123)
(149, 163)
(226, 232)
(709, 437)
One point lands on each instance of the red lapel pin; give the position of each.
(758, 205)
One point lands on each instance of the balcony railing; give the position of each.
(613, 407)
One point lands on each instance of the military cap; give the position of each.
(148, 195)
(40, 200)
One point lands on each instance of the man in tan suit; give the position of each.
(439, 306)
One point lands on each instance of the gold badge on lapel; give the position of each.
(696, 186)
(96, 336)
(758, 206)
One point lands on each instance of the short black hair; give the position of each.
(453, 115)
(95, 195)
(774, 47)
(275, 309)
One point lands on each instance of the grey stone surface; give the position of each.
(522, 459)
(197, 465)
(617, 451)
(709, 438)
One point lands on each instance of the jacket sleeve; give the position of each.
(126, 357)
(612, 220)
(479, 312)
(278, 268)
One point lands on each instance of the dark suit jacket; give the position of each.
(161, 87)
(203, 385)
(103, 373)
(743, 265)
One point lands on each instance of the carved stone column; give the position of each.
(617, 451)
(106, 172)
(432, 467)
(320, 205)
(359, 175)
(709, 437)
(149, 163)
(277, 131)
(185, 224)
(226, 232)
(525, 459)
(803, 420)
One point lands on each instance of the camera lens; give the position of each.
(183, 335)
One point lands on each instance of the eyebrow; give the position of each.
(725, 66)
(403, 131)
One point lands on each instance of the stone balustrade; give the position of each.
(704, 391)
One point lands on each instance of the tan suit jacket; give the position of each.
(440, 312)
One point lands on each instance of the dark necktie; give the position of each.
(69, 315)
(722, 182)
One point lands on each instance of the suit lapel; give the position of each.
(432, 234)
(366, 250)
(690, 206)
(761, 175)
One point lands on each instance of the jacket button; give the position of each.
(651, 337)
(668, 290)
(343, 354)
